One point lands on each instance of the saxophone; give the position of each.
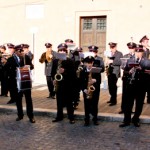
(80, 68)
(58, 76)
(90, 87)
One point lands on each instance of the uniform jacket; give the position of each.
(146, 53)
(69, 75)
(125, 75)
(12, 64)
(84, 77)
(139, 77)
(48, 65)
(115, 67)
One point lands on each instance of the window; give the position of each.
(101, 24)
(34, 11)
(87, 24)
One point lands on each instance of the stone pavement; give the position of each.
(45, 105)
(45, 135)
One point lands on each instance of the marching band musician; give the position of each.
(27, 51)
(98, 61)
(12, 63)
(113, 72)
(64, 86)
(75, 55)
(11, 89)
(0, 65)
(4, 77)
(131, 47)
(135, 87)
(47, 58)
(90, 85)
(145, 41)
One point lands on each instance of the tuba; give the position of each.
(90, 87)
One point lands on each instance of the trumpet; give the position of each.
(90, 87)
(6, 56)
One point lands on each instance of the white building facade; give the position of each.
(86, 22)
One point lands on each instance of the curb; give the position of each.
(78, 115)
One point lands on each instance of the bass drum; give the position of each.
(24, 80)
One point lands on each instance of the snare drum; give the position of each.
(24, 81)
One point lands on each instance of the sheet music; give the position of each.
(61, 56)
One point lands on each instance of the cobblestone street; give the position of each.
(45, 135)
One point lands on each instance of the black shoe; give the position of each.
(57, 120)
(136, 124)
(48, 97)
(75, 106)
(32, 120)
(10, 102)
(86, 123)
(96, 123)
(108, 101)
(112, 104)
(6, 95)
(124, 125)
(53, 97)
(19, 118)
(120, 112)
(72, 122)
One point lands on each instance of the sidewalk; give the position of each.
(46, 105)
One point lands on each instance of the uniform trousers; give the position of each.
(64, 99)
(91, 105)
(136, 93)
(4, 83)
(148, 87)
(112, 86)
(124, 93)
(50, 85)
(29, 105)
(12, 87)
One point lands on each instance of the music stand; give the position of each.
(133, 64)
(123, 62)
(61, 56)
(96, 70)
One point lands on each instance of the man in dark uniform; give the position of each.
(135, 87)
(98, 61)
(12, 75)
(47, 58)
(144, 41)
(4, 77)
(90, 81)
(131, 47)
(75, 55)
(113, 72)
(27, 51)
(0, 68)
(12, 63)
(64, 87)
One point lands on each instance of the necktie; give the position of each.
(16, 59)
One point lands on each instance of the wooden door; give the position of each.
(93, 32)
